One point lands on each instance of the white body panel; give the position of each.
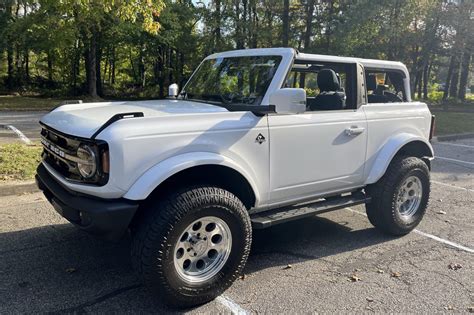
(304, 155)
(311, 154)
(390, 127)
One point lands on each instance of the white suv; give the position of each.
(255, 138)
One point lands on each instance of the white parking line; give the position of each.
(455, 144)
(452, 186)
(442, 240)
(18, 133)
(453, 160)
(433, 237)
(234, 308)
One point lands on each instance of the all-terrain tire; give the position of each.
(157, 233)
(382, 210)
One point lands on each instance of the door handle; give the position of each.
(354, 130)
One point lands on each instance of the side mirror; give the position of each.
(289, 100)
(173, 90)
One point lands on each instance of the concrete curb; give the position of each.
(458, 136)
(27, 187)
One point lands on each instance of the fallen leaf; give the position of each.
(470, 309)
(380, 271)
(449, 308)
(440, 200)
(354, 278)
(396, 274)
(71, 270)
(242, 277)
(369, 299)
(288, 267)
(454, 266)
(441, 212)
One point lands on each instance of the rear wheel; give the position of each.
(400, 197)
(193, 245)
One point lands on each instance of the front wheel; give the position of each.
(193, 245)
(400, 197)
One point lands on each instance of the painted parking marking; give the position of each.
(453, 160)
(455, 145)
(452, 186)
(18, 133)
(433, 237)
(233, 307)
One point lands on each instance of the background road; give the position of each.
(26, 122)
(339, 262)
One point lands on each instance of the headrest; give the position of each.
(371, 82)
(327, 80)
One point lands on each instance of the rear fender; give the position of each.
(390, 149)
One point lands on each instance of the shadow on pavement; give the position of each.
(307, 239)
(61, 269)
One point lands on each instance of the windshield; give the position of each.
(233, 80)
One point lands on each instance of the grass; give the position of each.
(452, 123)
(10, 102)
(19, 161)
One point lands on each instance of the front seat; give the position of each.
(377, 93)
(330, 96)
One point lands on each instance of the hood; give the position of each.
(83, 120)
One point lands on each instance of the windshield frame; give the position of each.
(287, 56)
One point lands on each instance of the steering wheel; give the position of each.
(229, 97)
(392, 97)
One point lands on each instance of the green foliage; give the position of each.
(124, 48)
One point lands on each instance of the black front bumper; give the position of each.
(107, 218)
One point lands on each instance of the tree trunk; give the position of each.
(217, 31)
(238, 27)
(253, 24)
(10, 79)
(420, 82)
(428, 75)
(309, 25)
(453, 88)
(286, 23)
(466, 62)
(328, 26)
(91, 68)
(448, 77)
(425, 81)
(112, 66)
(27, 65)
(50, 67)
(98, 70)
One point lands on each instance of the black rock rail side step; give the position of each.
(273, 217)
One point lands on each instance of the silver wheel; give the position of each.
(409, 197)
(203, 249)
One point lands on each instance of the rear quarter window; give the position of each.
(385, 87)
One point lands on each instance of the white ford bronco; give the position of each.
(255, 138)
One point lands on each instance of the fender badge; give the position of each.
(260, 139)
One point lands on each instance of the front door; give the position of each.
(316, 153)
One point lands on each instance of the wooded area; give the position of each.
(137, 48)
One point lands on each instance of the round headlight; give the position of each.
(88, 166)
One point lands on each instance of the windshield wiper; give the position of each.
(258, 110)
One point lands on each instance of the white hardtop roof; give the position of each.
(367, 63)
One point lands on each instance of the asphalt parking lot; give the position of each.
(336, 262)
(26, 122)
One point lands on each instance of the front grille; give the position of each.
(60, 153)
